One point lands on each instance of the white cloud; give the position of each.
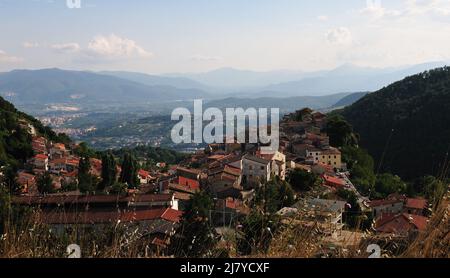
(322, 18)
(410, 8)
(5, 58)
(66, 47)
(31, 45)
(113, 46)
(419, 7)
(203, 58)
(378, 11)
(339, 36)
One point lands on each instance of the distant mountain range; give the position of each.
(235, 79)
(155, 80)
(63, 86)
(29, 88)
(349, 78)
(289, 104)
(346, 78)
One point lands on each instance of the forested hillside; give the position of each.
(406, 126)
(15, 137)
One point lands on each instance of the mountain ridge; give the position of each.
(405, 126)
(56, 85)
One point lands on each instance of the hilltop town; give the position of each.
(307, 173)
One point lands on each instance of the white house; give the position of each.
(255, 169)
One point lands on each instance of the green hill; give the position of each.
(15, 139)
(406, 126)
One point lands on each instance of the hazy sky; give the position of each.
(159, 36)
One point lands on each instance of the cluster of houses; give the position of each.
(54, 158)
(400, 215)
(229, 172)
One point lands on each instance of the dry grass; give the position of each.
(295, 238)
(435, 241)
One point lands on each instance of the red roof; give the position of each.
(334, 181)
(232, 170)
(377, 203)
(79, 199)
(97, 217)
(41, 157)
(416, 203)
(60, 146)
(172, 215)
(189, 183)
(400, 223)
(143, 173)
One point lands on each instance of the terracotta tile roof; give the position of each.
(331, 151)
(99, 217)
(172, 215)
(334, 180)
(188, 170)
(143, 173)
(256, 159)
(100, 199)
(400, 223)
(59, 146)
(416, 203)
(176, 187)
(385, 202)
(216, 157)
(41, 157)
(189, 183)
(182, 196)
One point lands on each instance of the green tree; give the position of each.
(118, 188)
(257, 232)
(428, 187)
(9, 179)
(353, 216)
(5, 204)
(85, 179)
(45, 184)
(195, 236)
(83, 150)
(387, 184)
(302, 180)
(361, 166)
(109, 171)
(274, 195)
(340, 132)
(129, 171)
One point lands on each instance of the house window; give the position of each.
(262, 167)
(250, 167)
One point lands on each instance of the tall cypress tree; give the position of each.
(85, 181)
(109, 171)
(129, 171)
(195, 237)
